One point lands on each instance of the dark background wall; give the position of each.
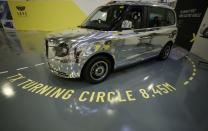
(190, 14)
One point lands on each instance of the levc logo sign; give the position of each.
(21, 10)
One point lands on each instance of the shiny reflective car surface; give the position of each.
(114, 35)
(204, 31)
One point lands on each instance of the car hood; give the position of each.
(79, 35)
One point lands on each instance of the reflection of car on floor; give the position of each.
(204, 31)
(114, 35)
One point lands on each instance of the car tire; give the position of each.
(165, 52)
(97, 69)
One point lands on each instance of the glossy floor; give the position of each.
(150, 96)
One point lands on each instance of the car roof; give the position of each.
(139, 3)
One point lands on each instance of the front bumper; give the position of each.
(65, 70)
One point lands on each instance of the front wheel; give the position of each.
(97, 69)
(165, 52)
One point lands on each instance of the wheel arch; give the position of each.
(111, 58)
(169, 42)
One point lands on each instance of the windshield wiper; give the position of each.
(92, 27)
(88, 27)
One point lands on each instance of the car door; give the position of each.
(160, 29)
(132, 43)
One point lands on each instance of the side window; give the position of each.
(156, 17)
(133, 19)
(170, 17)
(160, 17)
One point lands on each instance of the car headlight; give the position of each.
(61, 50)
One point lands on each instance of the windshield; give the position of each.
(104, 17)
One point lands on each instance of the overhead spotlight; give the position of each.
(7, 90)
(145, 78)
(150, 86)
(110, 112)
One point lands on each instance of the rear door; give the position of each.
(160, 29)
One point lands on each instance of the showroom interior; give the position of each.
(166, 92)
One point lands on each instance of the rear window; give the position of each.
(160, 17)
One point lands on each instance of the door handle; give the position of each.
(145, 37)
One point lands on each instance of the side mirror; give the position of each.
(126, 24)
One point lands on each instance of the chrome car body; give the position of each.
(122, 47)
(204, 31)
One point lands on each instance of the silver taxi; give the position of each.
(114, 35)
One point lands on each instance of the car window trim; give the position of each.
(146, 21)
